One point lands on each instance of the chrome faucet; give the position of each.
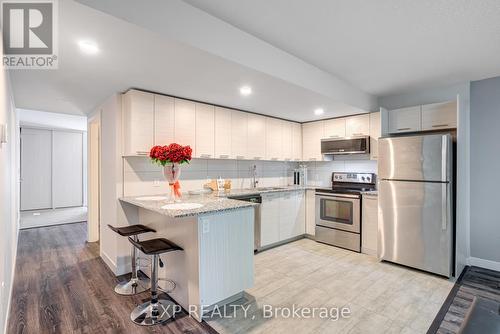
(254, 177)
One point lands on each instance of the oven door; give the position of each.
(340, 212)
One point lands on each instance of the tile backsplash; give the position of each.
(141, 177)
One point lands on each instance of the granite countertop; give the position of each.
(211, 203)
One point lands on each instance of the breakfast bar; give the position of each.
(217, 238)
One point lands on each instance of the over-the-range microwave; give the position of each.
(348, 145)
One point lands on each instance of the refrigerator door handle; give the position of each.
(444, 159)
(444, 206)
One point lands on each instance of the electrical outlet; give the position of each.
(156, 183)
(206, 226)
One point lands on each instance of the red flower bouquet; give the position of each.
(173, 153)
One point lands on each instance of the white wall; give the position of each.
(52, 120)
(440, 94)
(485, 164)
(9, 200)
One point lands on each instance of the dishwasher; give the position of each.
(256, 198)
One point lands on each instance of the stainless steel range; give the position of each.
(338, 209)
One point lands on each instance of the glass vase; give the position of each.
(171, 172)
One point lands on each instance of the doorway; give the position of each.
(52, 176)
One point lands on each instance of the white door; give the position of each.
(67, 169)
(36, 169)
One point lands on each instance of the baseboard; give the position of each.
(487, 264)
(110, 263)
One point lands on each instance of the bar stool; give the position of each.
(136, 284)
(155, 311)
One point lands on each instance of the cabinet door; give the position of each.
(335, 128)
(185, 123)
(239, 134)
(273, 139)
(312, 133)
(369, 225)
(205, 130)
(375, 131)
(310, 212)
(222, 133)
(297, 141)
(138, 122)
(300, 213)
(357, 125)
(405, 120)
(256, 143)
(438, 116)
(270, 219)
(164, 120)
(287, 215)
(287, 141)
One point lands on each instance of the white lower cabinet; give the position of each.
(369, 225)
(282, 216)
(270, 219)
(310, 212)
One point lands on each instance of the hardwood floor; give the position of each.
(475, 282)
(61, 285)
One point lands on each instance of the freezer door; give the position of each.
(416, 158)
(415, 226)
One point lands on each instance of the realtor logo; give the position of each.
(29, 34)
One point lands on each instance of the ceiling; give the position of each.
(133, 57)
(383, 47)
(297, 55)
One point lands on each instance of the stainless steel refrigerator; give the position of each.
(416, 201)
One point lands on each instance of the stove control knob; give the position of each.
(362, 178)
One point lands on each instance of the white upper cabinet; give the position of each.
(358, 125)
(335, 128)
(164, 120)
(185, 123)
(296, 141)
(405, 120)
(138, 122)
(273, 139)
(375, 132)
(239, 134)
(312, 133)
(287, 140)
(205, 130)
(222, 133)
(439, 116)
(256, 143)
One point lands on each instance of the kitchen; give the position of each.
(237, 182)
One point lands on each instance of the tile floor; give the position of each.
(382, 297)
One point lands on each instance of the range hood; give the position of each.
(347, 145)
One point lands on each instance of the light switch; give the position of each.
(3, 133)
(206, 225)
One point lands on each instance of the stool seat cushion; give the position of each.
(127, 231)
(155, 246)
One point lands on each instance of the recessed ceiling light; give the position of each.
(88, 47)
(245, 90)
(319, 111)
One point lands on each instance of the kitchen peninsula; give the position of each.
(217, 237)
